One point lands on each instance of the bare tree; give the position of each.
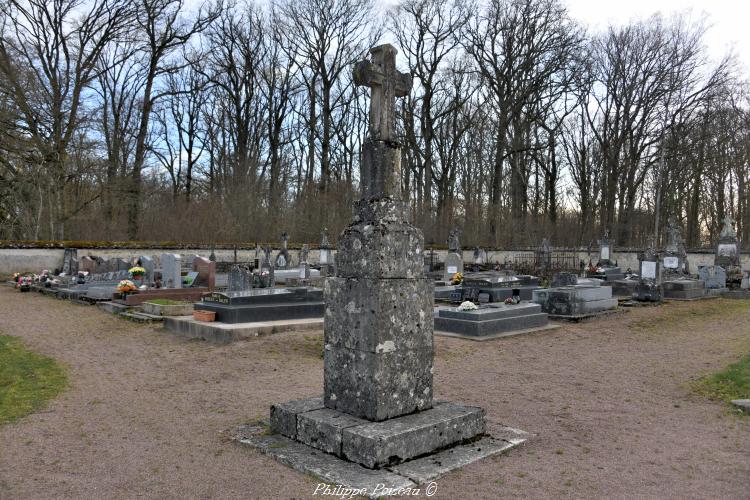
(521, 48)
(328, 36)
(162, 31)
(60, 43)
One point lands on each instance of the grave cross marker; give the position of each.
(386, 83)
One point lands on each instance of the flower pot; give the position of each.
(204, 315)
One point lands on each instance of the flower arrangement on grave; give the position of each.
(15, 277)
(24, 283)
(126, 286)
(513, 300)
(457, 279)
(468, 306)
(137, 272)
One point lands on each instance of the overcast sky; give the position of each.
(727, 19)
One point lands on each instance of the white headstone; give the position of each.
(171, 266)
(453, 264)
(671, 262)
(648, 269)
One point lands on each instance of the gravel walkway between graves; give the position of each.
(608, 402)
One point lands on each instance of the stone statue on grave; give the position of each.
(454, 245)
(284, 240)
(324, 243)
(728, 231)
(303, 253)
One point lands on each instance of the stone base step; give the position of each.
(377, 444)
(375, 483)
(112, 307)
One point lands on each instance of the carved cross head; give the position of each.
(387, 83)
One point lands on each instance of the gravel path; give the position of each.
(608, 403)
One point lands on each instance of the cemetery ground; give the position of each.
(616, 407)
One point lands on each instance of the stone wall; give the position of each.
(37, 259)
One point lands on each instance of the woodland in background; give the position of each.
(146, 120)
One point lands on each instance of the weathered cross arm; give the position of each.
(386, 83)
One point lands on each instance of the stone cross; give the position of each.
(454, 245)
(728, 230)
(386, 83)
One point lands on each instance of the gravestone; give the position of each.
(605, 251)
(480, 256)
(148, 264)
(121, 264)
(326, 254)
(714, 277)
(564, 279)
(88, 264)
(102, 265)
(649, 288)
(206, 270)
(240, 279)
(728, 252)
(745, 283)
(304, 266)
(257, 260)
(264, 277)
(430, 259)
(283, 259)
(171, 270)
(677, 282)
(454, 262)
(377, 409)
(70, 261)
(543, 257)
(673, 259)
(606, 268)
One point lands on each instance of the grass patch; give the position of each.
(27, 379)
(671, 318)
(728, 384)
(166, 302)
